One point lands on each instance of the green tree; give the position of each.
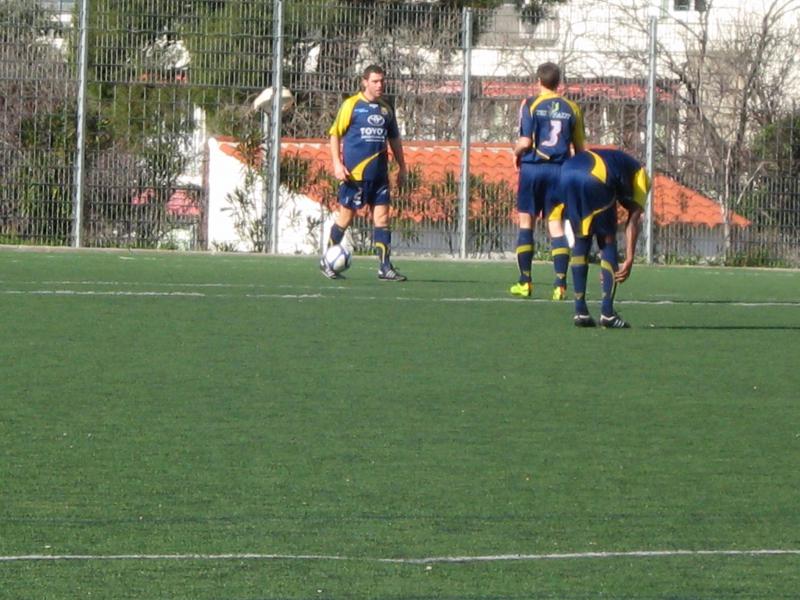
(37, 129)
(779, 145)
(775, 199)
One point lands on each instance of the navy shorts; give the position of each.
(356, 194)
(537, 192)
(591, 207)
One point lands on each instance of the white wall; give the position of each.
(298, 233)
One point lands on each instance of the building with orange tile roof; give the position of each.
(432, 197)
(672, 202)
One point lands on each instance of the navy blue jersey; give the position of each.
(364, 128)
(623, 175)
(592, 182)
(553, 123)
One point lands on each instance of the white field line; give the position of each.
(322, 294)
(412, 561)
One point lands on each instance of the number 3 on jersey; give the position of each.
(552, 139)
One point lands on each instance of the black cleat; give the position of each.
(390, 274)
(583, 321)
(613, 322)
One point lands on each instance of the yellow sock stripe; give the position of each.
(611, 293)
(525, 248)
(604, 264)
(559, 251)
(381, 248)
(578, 260)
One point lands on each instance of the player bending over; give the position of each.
(592, 183)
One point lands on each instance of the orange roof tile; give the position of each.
(672, 202)
(182, 203)
(676, 203)
(501, 88)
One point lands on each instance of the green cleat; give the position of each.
(524, 289)
(559, 293)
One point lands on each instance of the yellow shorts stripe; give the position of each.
(557, 214)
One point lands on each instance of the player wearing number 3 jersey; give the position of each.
(550, 128)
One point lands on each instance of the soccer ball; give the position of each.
(338, 258)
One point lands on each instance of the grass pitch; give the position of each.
(238, 427)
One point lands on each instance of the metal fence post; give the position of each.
(463, 205)
(651, 126)
(277, 89)
(80, 151)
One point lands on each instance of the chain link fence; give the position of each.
(171, 102)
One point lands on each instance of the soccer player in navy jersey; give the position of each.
(592, 183)
(364, 129)
(550, 127)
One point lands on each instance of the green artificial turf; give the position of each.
(239, 427)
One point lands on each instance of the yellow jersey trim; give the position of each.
(641, 185)
(345, 115)
(357, 172)
(599, 169)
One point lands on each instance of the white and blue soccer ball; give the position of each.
(338, 258)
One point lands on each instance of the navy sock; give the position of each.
(337, 235)
(560, 253)
(382, 239)
(608, 266)
(525, 254)
(580, 272)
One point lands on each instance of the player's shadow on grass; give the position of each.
(728, 327)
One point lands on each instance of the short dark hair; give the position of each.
(549, 74)
(372, 69)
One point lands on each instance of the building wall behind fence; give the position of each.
(166, 77)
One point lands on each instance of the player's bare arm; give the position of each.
(399, 157)
(339, 170)
(522, 145)
(632, 228)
